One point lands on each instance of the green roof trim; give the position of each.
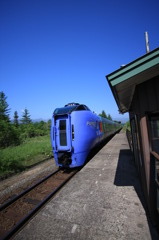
(139, 65)
(135, 71)
(123, 81)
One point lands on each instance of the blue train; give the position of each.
(76, 130)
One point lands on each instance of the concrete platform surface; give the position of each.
(103, 201)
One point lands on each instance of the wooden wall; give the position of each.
(145, 102)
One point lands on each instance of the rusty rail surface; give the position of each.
(13, 199)
(17, 211)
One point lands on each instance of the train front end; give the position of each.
(73, 133)
(62, 137)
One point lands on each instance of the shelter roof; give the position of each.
(124, 80)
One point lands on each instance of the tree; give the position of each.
(26, 117)
(4, 110)
(109, 117)
(16, 122)
(103, 114)
(9, 134)
(49, 124)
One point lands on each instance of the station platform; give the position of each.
(102, 201)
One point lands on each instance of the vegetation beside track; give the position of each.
(23, 142)
(17, 158)
(127, 126)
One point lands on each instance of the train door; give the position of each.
(63, 134)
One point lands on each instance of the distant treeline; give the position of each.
(103, 114)
(15, 132)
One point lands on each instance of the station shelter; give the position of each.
(135, 87)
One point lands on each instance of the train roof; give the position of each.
(70, 108)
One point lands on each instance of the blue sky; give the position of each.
(55, 52)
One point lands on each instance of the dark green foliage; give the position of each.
(9, 134)
(34, 129)
(127, 125)
(14, 158)
(49, 124)
(4, 110)
(15, 133)
(109, 117)
(40, 128)
(26, 117)
(103, 114)
(16, 122)
(9, 165)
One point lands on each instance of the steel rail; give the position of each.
(9, 234)
(12, 200)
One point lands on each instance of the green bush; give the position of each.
(9, 134)
(36, 129)
(127, 126)
(9, 163)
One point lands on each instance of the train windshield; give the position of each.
(64, 110)
(69, 109)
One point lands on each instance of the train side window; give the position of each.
(63, 137)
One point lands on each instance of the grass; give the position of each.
(126, 126)
(16, 159)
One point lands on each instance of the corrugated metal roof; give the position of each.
(124, 80)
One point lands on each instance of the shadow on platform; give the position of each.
(127, 175)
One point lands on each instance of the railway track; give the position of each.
(18, 210)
